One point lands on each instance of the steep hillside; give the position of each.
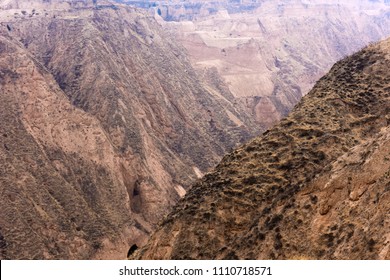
(62, 190)
(104, 125)
(316, 186)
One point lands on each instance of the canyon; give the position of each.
(315, 186)
(112, 114)
(270, 53)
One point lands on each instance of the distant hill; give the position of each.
(270, 53)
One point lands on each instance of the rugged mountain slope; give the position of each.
(61, 193)
(315, 186)
(104, 124)
(272, 54)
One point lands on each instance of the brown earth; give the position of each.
(271, 55)
(104, 125)
(316, 186)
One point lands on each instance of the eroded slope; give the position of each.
(62, 192)
(106, 126)
(315, 186)
(272, 55)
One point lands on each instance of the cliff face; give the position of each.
(316, 186)
(178, 10)
(270, 56)
(104, 125)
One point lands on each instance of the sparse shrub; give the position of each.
(96, 245)
(231, 256)
(250, 180)
(260, 235)
(371, 244)
(274, 221)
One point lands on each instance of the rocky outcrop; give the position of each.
(321, 175)
(104, 125)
